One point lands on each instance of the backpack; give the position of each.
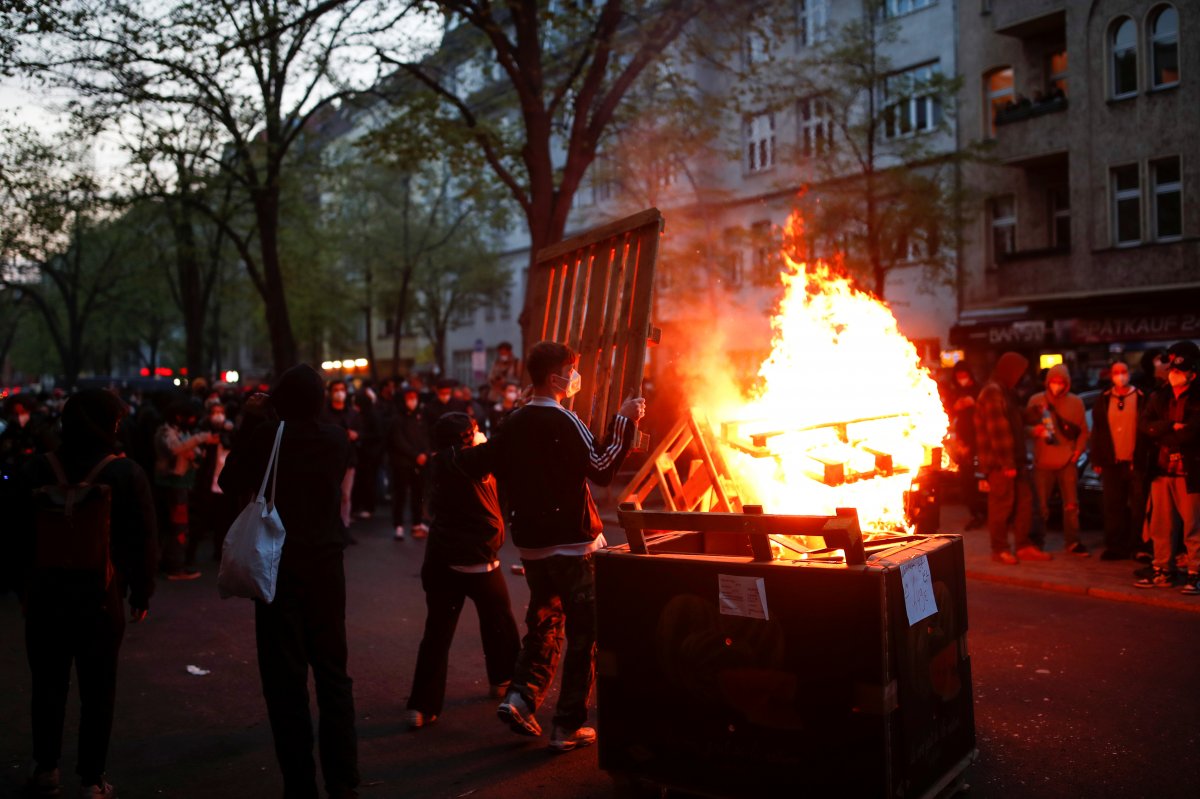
(73, 522)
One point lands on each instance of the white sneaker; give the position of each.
(516, 713)
(102, 791)
(399, 536)
(420, 531)
(416, 719)
(564, 740)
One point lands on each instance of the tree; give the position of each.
(877, 144)
(259, 72)
(564, 73)
(61, 242)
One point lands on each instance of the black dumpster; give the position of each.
(744, 675)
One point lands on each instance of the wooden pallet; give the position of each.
(704, 484)
(593, 292)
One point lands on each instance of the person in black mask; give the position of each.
(305, 626)
(76, 615)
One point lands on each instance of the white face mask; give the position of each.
(511, 395)
(570, 385)
(1120, 379)
(1058, 389)
(1177, 378)
(339, 396)
(218, 419)
(411, 404)
(22, 419)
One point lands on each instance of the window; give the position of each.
(1004, 227)
(812, 17)
(766, 254)
(909, 105)
(760, 143)
(1164, 47)
(1056, 73)
(1127, 206)
(816, 126)
(897, 7)
(999, 94)
(1168, 198)
(1059, 203)
(1124, 58)
(757, 49)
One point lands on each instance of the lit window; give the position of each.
(1124, 58)
(1060, 218)
(1164, 47)
(897, 7)
(910, 106)
(812, 18)
(760, 143)
(1056, 72)
(1127, 206)
(999, 94)
(816, 126)
(1168, 198)
(1004, 227)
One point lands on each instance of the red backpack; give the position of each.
(73, 522)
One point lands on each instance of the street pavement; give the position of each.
(1075, 693)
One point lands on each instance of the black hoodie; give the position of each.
(313, 458)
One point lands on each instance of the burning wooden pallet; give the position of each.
(704, 484)
(593, 292)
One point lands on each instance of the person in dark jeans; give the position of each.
(77, 617)
(544, 455)
(408, 450)
(1119, 456)
(305, 626)
(461, 562)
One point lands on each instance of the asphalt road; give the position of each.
(1075, 696)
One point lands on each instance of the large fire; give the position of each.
(843, 413)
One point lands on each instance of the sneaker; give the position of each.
(399, 536)
(420, 531)
(517, 568)
(1005, 557)
(1144, 571)
(516, 713)
(564, 740)
(363, 514)
(416, 719)
(185, 573)
(1112, 554)
(1160, 579)
(1033, 553)
(102, 791)
(1142, 556)
(497, 690)
(1192, 588)
(44, 783)
(1079, 550)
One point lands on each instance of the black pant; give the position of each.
(562, 600)
(67, 624)
(408, 487)
(445, 592)
(306, 626)
(365, 493)
(1124, 507)
(210, 514)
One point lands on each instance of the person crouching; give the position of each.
(461, 562)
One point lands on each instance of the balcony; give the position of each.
(1023, 108)
(1028, 18)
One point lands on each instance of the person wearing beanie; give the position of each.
(77, 617)
(1172, 423)
(1000, 443)
(305, 626)
(1060, 435)
(461, 562)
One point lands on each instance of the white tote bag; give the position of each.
(254, 544)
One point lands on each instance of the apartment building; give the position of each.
(1083, 239)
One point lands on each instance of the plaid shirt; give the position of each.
(999, 429)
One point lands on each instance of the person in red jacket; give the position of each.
(544, 456)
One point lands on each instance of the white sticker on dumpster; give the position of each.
(742, 596)
(918, 589)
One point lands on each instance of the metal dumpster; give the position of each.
(725, 671)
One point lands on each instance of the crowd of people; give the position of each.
(1143, 441)
(166, 473)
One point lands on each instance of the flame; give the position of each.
(842, 386)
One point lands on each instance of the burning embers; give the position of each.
(844, 414)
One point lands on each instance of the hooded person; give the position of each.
(305, 626)
(1060, 434)
(1000, 450)
(76, 617)
(959, 399)
(1119, 455)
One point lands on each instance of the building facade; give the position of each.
(1084, 236)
